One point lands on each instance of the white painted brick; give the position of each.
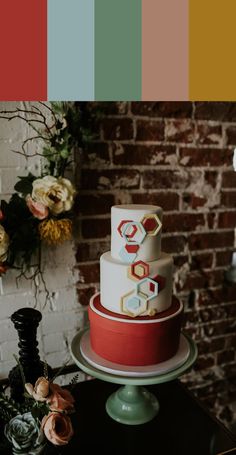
(57, 322)
(10, 284)
(59, 277)
(8, 349)
(7, 331)
(57, 359)
(6, 367)
(61, 300)
(54, 342)
(13, 302)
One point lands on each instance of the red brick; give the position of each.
(108, 108)
(203, 363)
(85, 294)
(231, 135)
(228, 199)
(193, 201)
(201, 261)
(163, 109)
(132, 154)
(89, 273)
(209, 134)
(179, 131)
(201, 280)
(166, 179)
(229, 179)
(91, 251)
(214, 345)
(219, 328)
(96, 228)
(117, 128)
(173, 244)
(225, 356)
(221, 111)
(182, 222)
(223, 258)
(230, 341)
(167, 200)
(149, 130)
(94, 204)
(213, 314)
(205, 157)
(223, 294)
(210, 240)
(96, 153)
(227, 220)
(212, 220)
(110, 179)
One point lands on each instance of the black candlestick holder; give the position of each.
(26, 321)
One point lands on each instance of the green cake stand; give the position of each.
(131, 404)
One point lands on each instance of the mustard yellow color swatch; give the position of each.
(212, 50)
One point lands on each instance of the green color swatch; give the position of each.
(118, 50)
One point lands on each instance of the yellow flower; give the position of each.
(55, 232)
(4, 244)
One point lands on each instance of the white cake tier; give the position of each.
(141, 288)
(136, 232)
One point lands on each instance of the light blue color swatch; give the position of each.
(71, 50)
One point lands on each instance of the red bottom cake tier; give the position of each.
(135, 341)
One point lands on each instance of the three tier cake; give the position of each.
(135, 320)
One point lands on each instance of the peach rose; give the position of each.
(3, 268)
(37, 209)
(57, 428)
(40, 391)
(60, 399)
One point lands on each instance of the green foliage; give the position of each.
(22, 229)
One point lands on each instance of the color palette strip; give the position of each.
(117, 50)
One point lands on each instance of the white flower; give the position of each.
(55, 193)
(4, 244)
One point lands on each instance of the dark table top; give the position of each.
(182, 426)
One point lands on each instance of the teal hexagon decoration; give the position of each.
(147, 288)
(134, 232)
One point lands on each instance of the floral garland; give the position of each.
(41, 209)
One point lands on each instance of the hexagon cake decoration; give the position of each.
(138, 270)
(147, 288)
(151, 224)
(133, 304)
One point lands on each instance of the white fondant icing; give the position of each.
(116, 284)
(150, 246)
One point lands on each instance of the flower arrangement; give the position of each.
(41, 209)
(43, 416)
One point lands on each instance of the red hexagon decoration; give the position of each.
(121, 224)
(131, 248)
(138, 270)
(151, 224)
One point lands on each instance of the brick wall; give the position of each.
(178, 155)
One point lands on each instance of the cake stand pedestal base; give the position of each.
(132, 405)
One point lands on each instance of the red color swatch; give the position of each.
(23, 50)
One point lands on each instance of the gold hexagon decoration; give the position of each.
(133, 305)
